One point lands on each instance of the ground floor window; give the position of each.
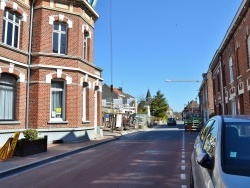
(233, 107)
(241, 103)
(7, 97)
(84, 104)
(57, 100)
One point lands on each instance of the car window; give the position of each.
(205, 130)
(211, 138)
(236, 154)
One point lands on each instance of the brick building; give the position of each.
(230, 67)
(206, 100)
(48, 80)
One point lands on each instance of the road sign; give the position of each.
(13, 144)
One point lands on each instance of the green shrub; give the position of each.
(30, 134)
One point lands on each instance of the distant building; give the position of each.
(117, 101)
(191, 107)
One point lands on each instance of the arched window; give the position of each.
(60, 38)
(7, 97)
(231, 70)
(11, 28)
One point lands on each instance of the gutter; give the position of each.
(29, 62)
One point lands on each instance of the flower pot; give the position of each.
(26, 147)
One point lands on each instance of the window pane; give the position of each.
(56, 26)
(3, 36)
(57, 85)
(17, 20)
(63, 44)
(10, 16)
(55, 42)
(16, 36)
(63, 27)
(9, 34)
(56, 104)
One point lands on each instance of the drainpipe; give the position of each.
(221, 87)
(29, 62)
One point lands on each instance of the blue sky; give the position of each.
(153, 41)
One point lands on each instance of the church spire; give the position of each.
(148, 97)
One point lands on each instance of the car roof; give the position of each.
(234, 118)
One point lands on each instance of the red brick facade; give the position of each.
(45, 66)
(230, 67)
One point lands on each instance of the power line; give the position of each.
(182, 81)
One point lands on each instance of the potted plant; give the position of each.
(30, 144)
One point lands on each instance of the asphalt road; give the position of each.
(155, 158)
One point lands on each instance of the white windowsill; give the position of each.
(58, 122)
(9, 122)
(86, 121)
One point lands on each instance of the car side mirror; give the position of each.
(205, 160)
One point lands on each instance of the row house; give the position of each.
(227, 83)
(206, 101)
(48, 80)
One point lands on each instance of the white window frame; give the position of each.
(59, 32)
(231, 70)
(53, 114)
(15, 25)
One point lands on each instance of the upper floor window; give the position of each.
(85, 45)
(218, 82)
(11, 29)
(7, 97)
(60, 38)
(248, 44)
(231, 70)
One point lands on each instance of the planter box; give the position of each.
(29, 147)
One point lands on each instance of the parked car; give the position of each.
(171, 121)
(221, 155)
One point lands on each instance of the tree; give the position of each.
(159, 105)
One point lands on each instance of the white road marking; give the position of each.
(183, 167)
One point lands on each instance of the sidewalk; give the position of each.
(55, 151)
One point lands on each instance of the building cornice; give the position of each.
(65, 57)
(37, 66)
